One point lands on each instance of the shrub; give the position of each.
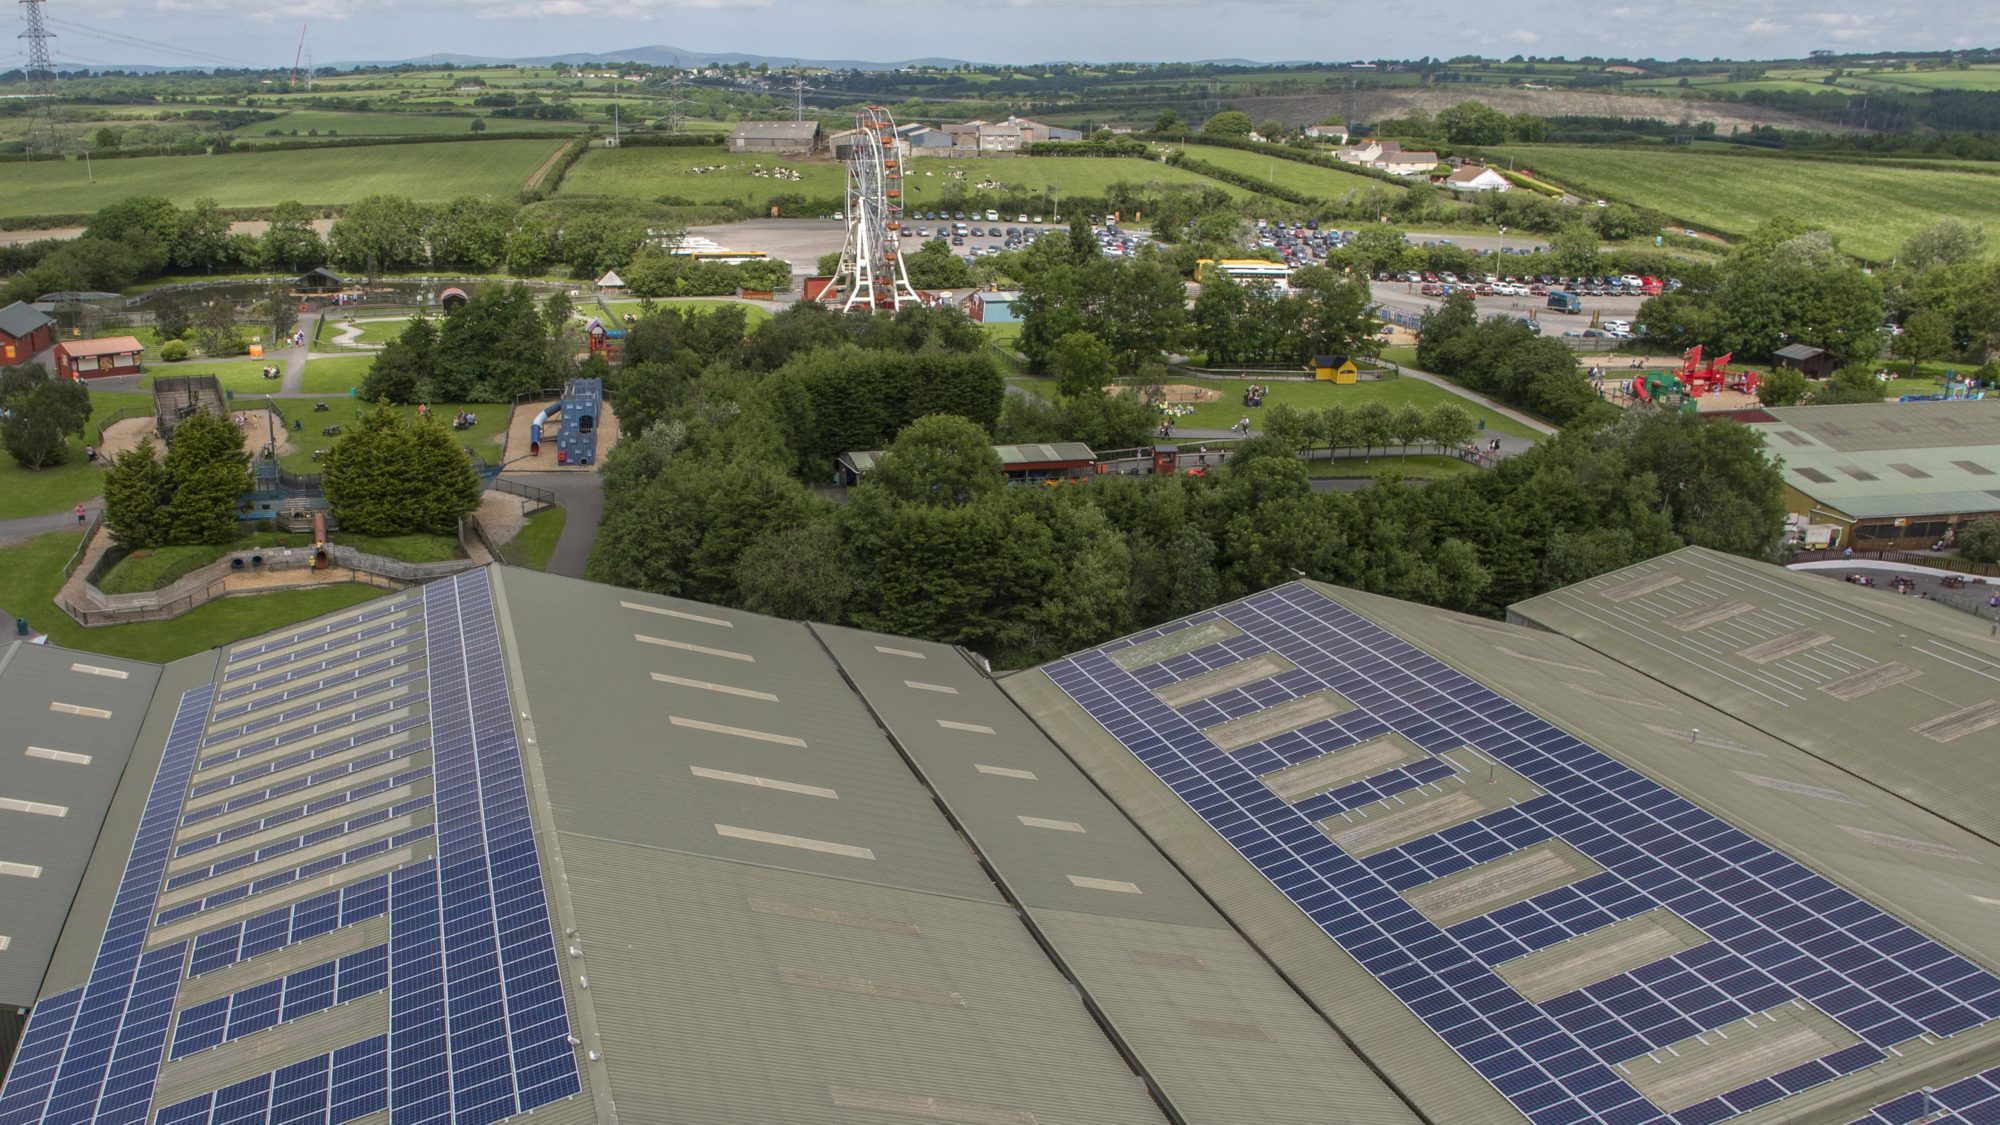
(173, 351)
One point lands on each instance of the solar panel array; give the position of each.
(1974, 1100)
(478, 1029)
(1775, 931)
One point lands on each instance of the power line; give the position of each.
(123, 40)
(41, 75)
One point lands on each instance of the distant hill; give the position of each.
(658, 55)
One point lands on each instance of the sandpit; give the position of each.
(124, 434)
(518, 460)
(1175, 392)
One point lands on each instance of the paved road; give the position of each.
(582, 497)
(27, 527)
(1971, 596)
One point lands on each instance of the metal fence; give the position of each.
(83, 545)
(1953, 563)
(537, 498)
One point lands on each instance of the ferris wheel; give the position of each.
(872, 263)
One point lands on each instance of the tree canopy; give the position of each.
(391, 475)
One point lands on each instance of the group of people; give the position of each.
(271, 372)
(1253, 395)
(1167, 428)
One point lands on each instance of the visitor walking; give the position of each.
(80, 512)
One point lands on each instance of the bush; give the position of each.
(173, 351)
(1980, 540)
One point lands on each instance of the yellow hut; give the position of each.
(1335, 368)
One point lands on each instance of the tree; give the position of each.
(1783, 386)
(202, 240)
(207, 474)
(1853, 383)
(391, 476)
(378, 233)
(939, 460)
(1083, 246)
(41, 415)
(1228, 123)
(1373, 424)
(403, 369)
(291, 243)
(1082, 365)
(135, 498)
(479, 124)
(1925, 335)
(1408, 423)
(1271, 128)
(828, 264)
(1473, 123)
(1169, 124)
(216, 331)
(1980, 540)
(798, 573)
(1573, 251)
(935, 267)
(1947, 242)
(490, 349)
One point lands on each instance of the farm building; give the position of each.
(1022, 464)
(24, 331)
(1333, 134)
(320, 281)
(1368, 152)
(790, 138)
(1400, 163)
(98, 359)
(1890, 475)
(1311, 855)
(1335, 368)
(992, 306)
(1476, 177)
(1813, 363)
(923, 137)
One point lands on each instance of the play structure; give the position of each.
(1715, 375)
(1662, 389)
(575, 416)
(604, 339)
(871, 272)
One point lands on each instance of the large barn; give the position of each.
(513, 843)
(780, 138)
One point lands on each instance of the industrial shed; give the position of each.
(781, 138)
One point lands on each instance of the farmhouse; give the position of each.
(98, 359)
(529, 844)
(1400, 163)
(1335, 134)
(791, 138)
(1476, 177)
(24, 331)
(1888, 475)
(1813, 363)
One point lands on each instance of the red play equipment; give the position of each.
(1701, 379)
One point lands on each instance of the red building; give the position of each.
(98, 359)
(24, 331)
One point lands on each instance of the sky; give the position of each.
(266, 32)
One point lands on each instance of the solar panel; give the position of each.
(1974, 1101)
(314, 668)
(477, 1016)
(1775, 930)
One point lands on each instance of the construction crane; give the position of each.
(297, 55)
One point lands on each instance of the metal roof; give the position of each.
(1216, 1031)
(71, 719)
(862, 461)
(781, 130)
(1877, 460)
(1656, 717)
(776, 920)
(21, 318)
(1799, 351)
(109, 345)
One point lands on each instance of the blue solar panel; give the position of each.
(290, 674)
(329, 703)
(1971, 1101)
(477, 1013)
(1777, 931)
(372, 612)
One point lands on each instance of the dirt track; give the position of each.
(1377, 104)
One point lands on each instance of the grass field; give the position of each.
(162, 566)
(492, 424)
(24, 493)
(31, 573)
(243, 376)
(1872, 209)
(391, 124)
(1223, 413)
(650, 173)
(328, 176)
(335, 376)
(536, 541)
(1325, 183)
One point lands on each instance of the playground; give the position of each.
(540, 444)
(1691, 384)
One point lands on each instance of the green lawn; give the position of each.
(1222, 414)
(376, 330)
(415, 547)
(537, 539)
(56, 489)
(1069, 175)
(335, 376)
(314, 176)
(754, 314)
(242, 376)
(1871, 208)
(1322, 182)
(31, 573)
(492, 424)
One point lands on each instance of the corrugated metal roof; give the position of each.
(779, 130)
(1222, 1036)
(109, 345)
(1871, 460)
(59, 771)
(21, 318)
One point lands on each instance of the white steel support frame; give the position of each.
(871, 263)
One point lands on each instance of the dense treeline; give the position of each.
(709, 499)
(1501, 356)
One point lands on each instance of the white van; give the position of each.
(992, 216)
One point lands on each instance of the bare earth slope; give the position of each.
(1377, 104)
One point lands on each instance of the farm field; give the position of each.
(649, 173)
(1872, 209)
(325, 176)
(356, 124)
(1325, 183)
